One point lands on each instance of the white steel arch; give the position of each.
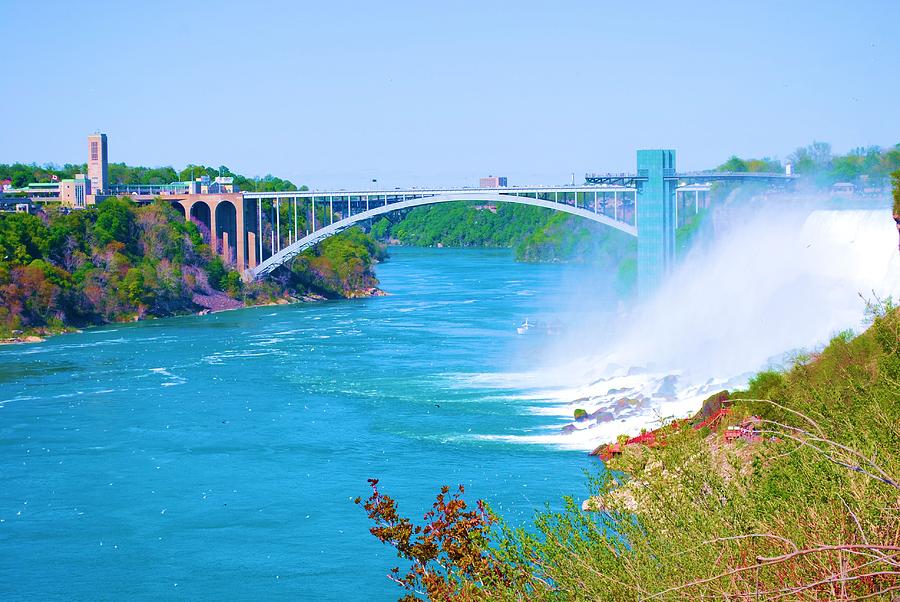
(291, 251)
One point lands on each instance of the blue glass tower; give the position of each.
(655, 217)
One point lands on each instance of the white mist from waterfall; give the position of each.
(777, 277)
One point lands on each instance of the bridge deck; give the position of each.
(590, 205)
(422, 192)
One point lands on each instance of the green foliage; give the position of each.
(23, 237)
(232, 283)
(801, 506)
(765, 164)
(269, 183)
(119, 173)
(340, 266)
(872, 163)
(21, 175)
(381, 229)
(687, 232)
(535, 233)
(869, 165)
(215, 272)
(115, 221)
(106, 263)
(895, 178)
(468, 224)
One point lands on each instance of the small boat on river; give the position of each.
(525, 327)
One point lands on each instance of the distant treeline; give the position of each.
(538, 234)
(863, 165)
(21, 174)
(535, 234)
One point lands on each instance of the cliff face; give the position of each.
(897, 221)
(896, 179)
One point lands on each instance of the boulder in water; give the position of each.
(602, 416)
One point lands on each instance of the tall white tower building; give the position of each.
(98, 168)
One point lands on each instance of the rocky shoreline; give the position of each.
(209, 304)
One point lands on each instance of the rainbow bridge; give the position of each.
(260, 231)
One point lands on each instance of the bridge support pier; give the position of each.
(655, 218)
(251, 240)
(240, 237)
(213, 239)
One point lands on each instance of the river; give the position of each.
(216, 457)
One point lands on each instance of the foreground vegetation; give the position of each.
(805, 508)
(789, 490)
(120, 261)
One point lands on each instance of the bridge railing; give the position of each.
(419, 192)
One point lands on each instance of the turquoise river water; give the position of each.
(216, 457)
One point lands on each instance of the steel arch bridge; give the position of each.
(608, 205)
(649, 204)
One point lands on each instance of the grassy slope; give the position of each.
(698, 512)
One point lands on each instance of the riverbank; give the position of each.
(40, 335)
(254, 418)
(787, 489)
(118, 262)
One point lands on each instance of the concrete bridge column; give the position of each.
(186, 208)
(212, 227)
(251, 246)
(241, 234)
(187, 205)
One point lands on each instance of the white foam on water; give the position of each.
(3, 402)
(173, 379)
(780, 278)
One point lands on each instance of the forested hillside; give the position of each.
(120, 261)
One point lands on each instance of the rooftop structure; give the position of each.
(75, 192)
(492, 182)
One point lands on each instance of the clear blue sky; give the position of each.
(333, 94)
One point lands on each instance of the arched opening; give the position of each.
(588, 211)
(177, 206)
(200, 215)
(226, 231)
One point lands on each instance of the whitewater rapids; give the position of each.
(774, 280)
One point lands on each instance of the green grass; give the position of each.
(694, 519)
(810, 512)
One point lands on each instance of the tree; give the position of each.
(449, 554)
(133, 285)
(23, 237)
(734, 163)
(115, 221)
(896, 181)
(812, 158)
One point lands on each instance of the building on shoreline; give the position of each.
(84, 191)
(493, 182)
(74, 192)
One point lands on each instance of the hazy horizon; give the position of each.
(411, 95)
